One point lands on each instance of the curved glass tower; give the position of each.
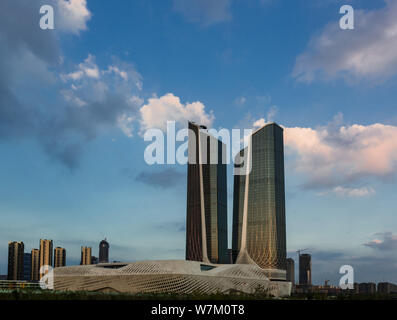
(259, 234)
(206, 218)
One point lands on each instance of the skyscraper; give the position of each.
(27, 266)
(35, 255)
(206, 221)
(85, 255)
(305, 269)
(45, 256)
(59, 257)
(15, 260)
(291, 270)
(259, 234)
(103, 251)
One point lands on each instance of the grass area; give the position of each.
(85, 295)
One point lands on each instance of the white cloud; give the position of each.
(389, 241)
(88, 68)
(89, 83)
(240, 101)
(338, 155)
(206, 12)
(123, 74)
(125, 123)
(158, 111)
(367, 52)
(269, 118)
(72, 15)
(353, 192)
(259, 123)
(93, 87)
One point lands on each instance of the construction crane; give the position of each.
(301, 250)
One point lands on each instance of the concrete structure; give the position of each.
(291, 271)
(27, 266)
(173, 276)
(387, 288)
(206, 213)
(367, 288)
(259, 231)
(59, 257)
(45, 256)
(85, 255)
(305, 269)
(103, 251)
(15, 260)
(35, 256)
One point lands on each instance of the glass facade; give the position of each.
(27, 266)
(265, 219)
(206, 187)
(103, 251)
(305, 269)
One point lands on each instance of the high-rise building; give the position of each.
(35, 256)
(45, 256)
(103, 251)
(291, 270)
(15, 260)
(259, 232)
(386, 288)
(305, 269)
(229, 256)
(367, 288)
(206, 214)
(85, 255)
(27, 266)
(94, 260)
(59, 257)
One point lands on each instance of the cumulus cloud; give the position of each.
(387, 241)
(99, 99)
(338, 155)
(72, 15)
(351, 192)
(158, 111)
(259, 123)
(89, 83)
(269, 118)
(367, 52)
(92, 99)
(88, 68)
(205, 12)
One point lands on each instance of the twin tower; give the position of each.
(259, 235)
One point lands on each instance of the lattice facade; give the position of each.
(182, 277)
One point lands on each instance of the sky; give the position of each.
(76, 101)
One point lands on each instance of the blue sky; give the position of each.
(75, 102)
